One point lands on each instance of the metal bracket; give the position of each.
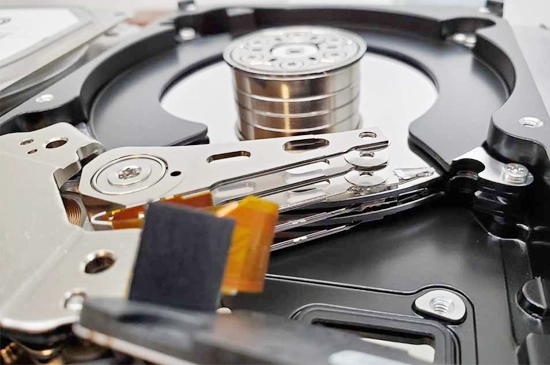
(498, 172)
(231, 171)
(46, 289)
(44, 257)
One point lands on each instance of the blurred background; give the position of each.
(516, 11)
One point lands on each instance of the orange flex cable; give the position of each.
(250, 245)
(134, 217)
(248, 256)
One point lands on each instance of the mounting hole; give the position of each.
(175, 173)
(74, 299)
(367, 154)
(531, 122)
(32, 151)
(308, 144)
(235, 155)
(367, 135)
(442, 306)
(26, 141)
(56, 142)
(99, 261)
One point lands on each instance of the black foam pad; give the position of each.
(182, 257)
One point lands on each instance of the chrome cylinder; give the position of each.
(296, 80)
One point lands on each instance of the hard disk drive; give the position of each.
(321, 184)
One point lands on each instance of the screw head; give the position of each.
(533, 297)
(129, 172)
(187, 33)
(465, 39)
(514, 173)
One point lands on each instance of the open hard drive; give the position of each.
(269, 184)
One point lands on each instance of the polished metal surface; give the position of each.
(515, 173)
(386, 82)
(441, 304)
(253, 131)
(296, 80)
(129, 174)
(295, 50)
(498, 172)
(306, 121)
(36, 293)
(297, 105)
(46, 290)
(231, 171)
(355, 215)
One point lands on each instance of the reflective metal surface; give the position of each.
(41, 292)
(441, 304)
(295, 50)
(386, 82)
(496, 171)
(234, 170)
(296, 80)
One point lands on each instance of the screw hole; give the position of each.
(308, 144)
(441, 305)
(56, 142)
(366, 154)
(367, 135)
(74, 300)
(32, 151)
(531, 122)
(26, 141)
(99, 261)
(175, 173)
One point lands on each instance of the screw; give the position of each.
(129, 172)
(187, 33)
(44, 98)
(514, 173)
(441, 304)
(465, 39)
(534, 297)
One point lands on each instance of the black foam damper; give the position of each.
(181, 258)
